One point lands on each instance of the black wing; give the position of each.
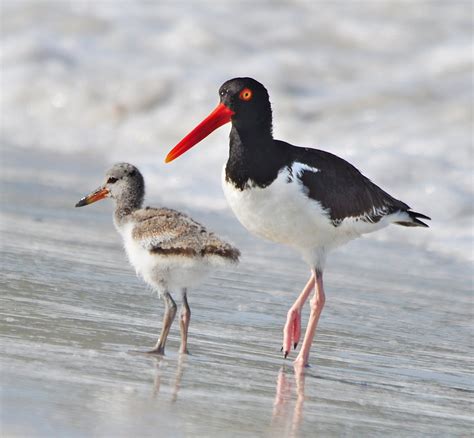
(343, 191)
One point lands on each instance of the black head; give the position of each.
(244, 102)
(249, 101)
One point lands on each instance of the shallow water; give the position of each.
(387, 86)
(392, 355)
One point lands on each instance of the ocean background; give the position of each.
(387, 85)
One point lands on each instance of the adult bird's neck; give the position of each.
(254, 158)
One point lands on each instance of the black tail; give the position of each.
(414, 216)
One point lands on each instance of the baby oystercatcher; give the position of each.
(167, 248)
(306, 198)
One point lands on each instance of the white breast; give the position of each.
(169, 272)
(282, 212)
(139, 257)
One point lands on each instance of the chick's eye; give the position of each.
(112, 180)
(246, 94)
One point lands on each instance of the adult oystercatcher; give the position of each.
(168, 249)
(306, 198)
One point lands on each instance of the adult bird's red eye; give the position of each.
(246, 94)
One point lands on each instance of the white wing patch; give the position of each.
(297, 169)
(372, 216)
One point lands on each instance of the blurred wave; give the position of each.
(386, 85)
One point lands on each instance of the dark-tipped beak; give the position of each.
(97, 195)
(220, 116)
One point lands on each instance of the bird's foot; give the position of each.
(300, 363)
(291, 331)
(160, 351)
(157, 351)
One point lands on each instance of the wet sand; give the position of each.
(393, 354)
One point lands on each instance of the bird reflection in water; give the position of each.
(161, 363)
(287, 417)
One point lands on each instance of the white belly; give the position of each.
(282, 212)
(162, 272)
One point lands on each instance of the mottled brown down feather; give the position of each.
(170, 232)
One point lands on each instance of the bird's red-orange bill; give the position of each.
(220, 116)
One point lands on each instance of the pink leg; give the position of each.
(317, 304)
(292, 330)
